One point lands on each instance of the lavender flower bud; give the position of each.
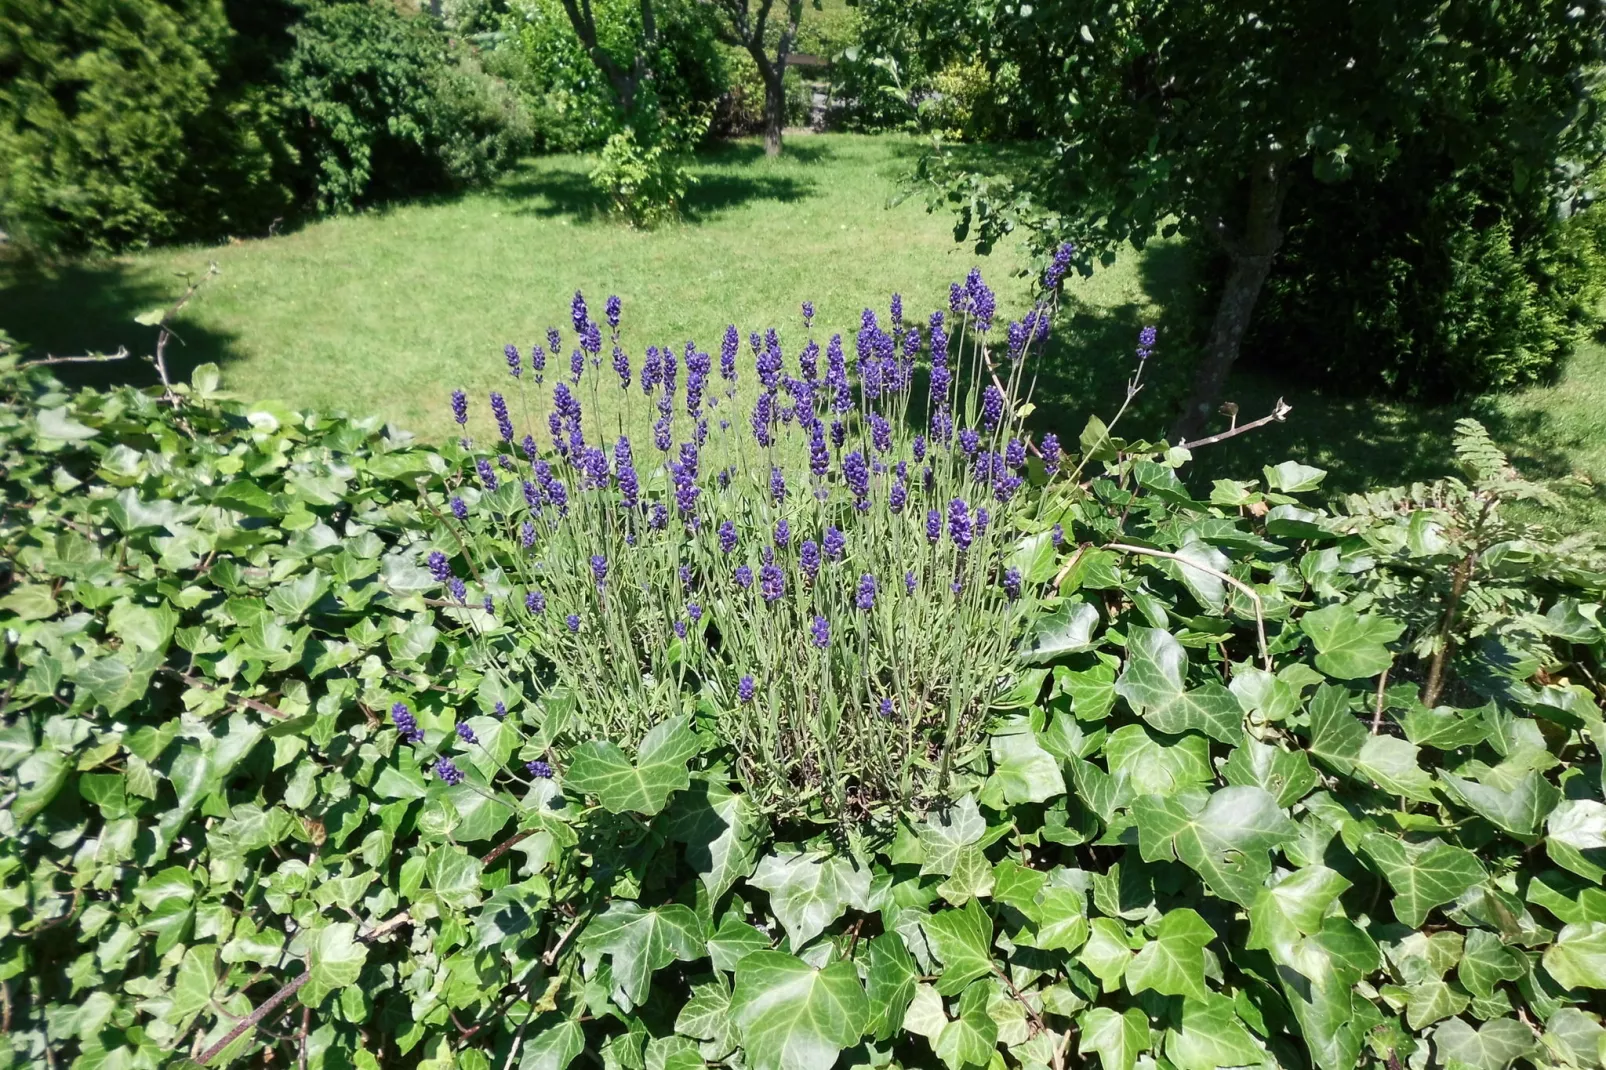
(1051, 454)
(1015, 454)
(1056, 269)
(983, 518)
(449, 773)
(777, 485)
(880, 433)
(959, 524)
(771, 582)
(897, 497)
(992, 406)
(460, 507)
(460, 407)
(1056, 535)
(744, 577)
(969, 441)
(809, 558)
(504, 423)
(865, 598)
(539, 769)
(1012, 583)
(680, 629)
(573, 621)
(745, 689)
(465, 733)
(1146, 340)
(808, 314)
(489, 606)
(439, 567)
(487, 474)
(621, 368)
(599, 569)
(611, 309)
(821, 631)
(835, 543)
(499, 711)
(856, 473)
(406, 723)
(694, 611)
(909, 582)
(933, 526)
(884, 708)
(457, 589)
(727, 536)
(515, 363)
(577, 312)
(535, 602)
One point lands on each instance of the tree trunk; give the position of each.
(774, 112)
(1251, 255)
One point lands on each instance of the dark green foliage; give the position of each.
(132, 121)
(392, 109)
(571, 102)
(1288, 786)
(1429, 281)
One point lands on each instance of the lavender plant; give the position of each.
(820, 555)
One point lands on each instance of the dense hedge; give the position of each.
(263, 749)
(1431, 280)
(137, 121)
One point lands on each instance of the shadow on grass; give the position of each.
(728, 175)
(90, 308)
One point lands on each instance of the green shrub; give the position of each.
(642, 171)
(1430, 281)
(572, 105)
(126, 123)
(392, 108)
(1282, 785)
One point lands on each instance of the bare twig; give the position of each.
(518, 1038)
(1253, 595)
(206, 685)
(506, 845)
(1279, 412)
(1377, 707)
(91, 358)
(1458, 587)
(253, 1018)
(551, 955)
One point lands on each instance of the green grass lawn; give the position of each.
(387, 311)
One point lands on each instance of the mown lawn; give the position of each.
(387, 311)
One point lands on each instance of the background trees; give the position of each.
(1205, 117)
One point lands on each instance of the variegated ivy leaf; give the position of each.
(1154, 682)
(553, 1047)
(1211, 1036)
(1493, 1046)
(639, 941)
(1172, 963)
(810, 890)
(1118, 1037)
(334, 961)
(1026, 772)
(1576, 837)
(722, 832)
(945, 835)
(963, 940)
(1578, 957)
(1224, 836)
(792, 1016)
(1518, 804)
(600, 768)
(706, 1017)
(1423, 875)
(890, 980)
(969, 1039)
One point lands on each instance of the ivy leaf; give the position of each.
(1027, 772)
(1287, 775)
(1518, 807)
(1106, 954)
(1153, 682)
(1209, 590)
(454, 874)
(57, 424)
(120, 680)
(1423, 875)
(1067, 630)
(193, 985)
(1211, 1036)
(334, 962)
(640, 941)
(706, 1016)
(945, 835)
(1486, 962)
(1578, 957)
(1225, 840)
(970, 1039)
(1155, 765)
(1494, 1046)
(1433, 1001)
(793, 1017)
(809, 891)
(890, 981)
(600, 768)
(1061, 916)
(722, 832)
(963, 940)
(1576, 837)
(1119, 1038)
(1172, 963)
(555, 1047)
(1351, 645)
(734, 941)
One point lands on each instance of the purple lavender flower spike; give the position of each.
(819, 456)
(694, 611)
(554, 342)
(527, 534)
(599, 569)
(969, 441)
(460, 407)
(856, 474)
(577, 365)
(439, 566)
(487, 474)
(898, 497)
(1146, 340)
(744, 577)
(504, 423)
(538, 769)
(808, 314)
(1051, 454)
(777, 485)
(489, 605)
(1018, 334)
(835, 543)
(983, 518)
(460, 507)
(910, 582)
(658, 519)
(1015, 454)
(865, 597)
(499, 711)
(611, 309)
(406, 723)
(465, 733)
(621, 368)
(821, 632)
(573, 621)
(450, 775)
(839, 433)
(771, 582)
(783, 533)
(1056, 535)
(1056, 269)
(933, 525)
(960, 529)
(1012, 583)
(535, 602)
(538, 362)
(727, 536)
(880, 433)
(745, 689)
(515, 361)
(885, 707)
(577, 312)
(680, 629)
(809, 558)
(992, 406)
